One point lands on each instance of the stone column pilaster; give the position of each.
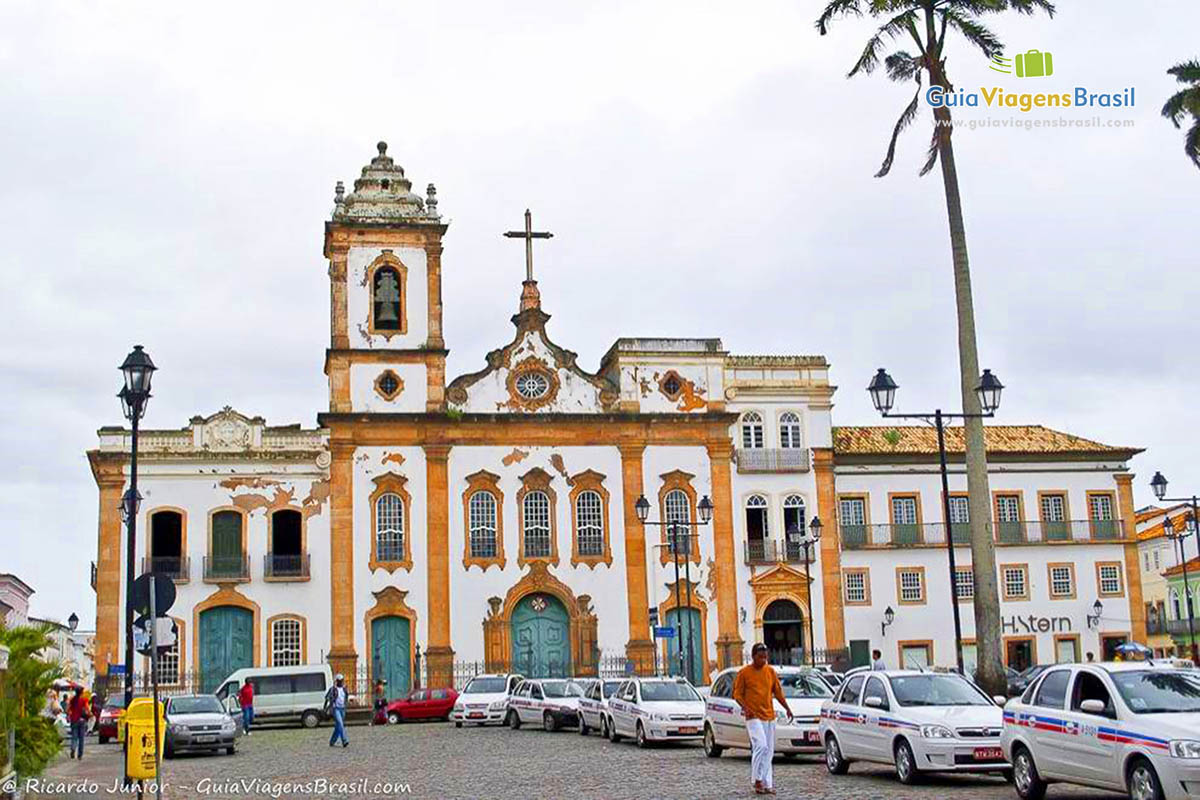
(339, 336)
(729, 640)
(831, 549)
(640, 647)
(1133, 572)
(109, 571)
(439, 654)
(342, 655)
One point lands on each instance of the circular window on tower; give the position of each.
(532, 385)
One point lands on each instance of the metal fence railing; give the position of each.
(784, 459)
(285, 565)
(858, 537)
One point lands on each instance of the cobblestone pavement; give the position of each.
(437, 761)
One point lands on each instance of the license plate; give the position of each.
(813, 736)
(989, 754)
(475, 715)
(689, 730)
(205, 739)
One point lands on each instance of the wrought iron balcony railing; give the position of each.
(784, 459)
(226, 568)
(769, 551)
(1179, 627)
(857, 537)
(174, 567)
(285, 565)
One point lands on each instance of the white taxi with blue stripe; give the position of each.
(1130, 727)
(918, 721)
(654, 710)
(484, 699)
(551, 702)
(594, 703)
(725, 722)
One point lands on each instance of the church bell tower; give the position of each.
(384, 244)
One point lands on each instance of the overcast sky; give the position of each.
(167, 170)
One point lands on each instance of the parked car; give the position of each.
(198, 723)
(422, 704)
(552, 702)
(725, 722)
(654, 709)
(485, 699)
(110, 712)
(1018, 683)
(1127, 727)
(918, 721)
(594, 704)
(281, 693)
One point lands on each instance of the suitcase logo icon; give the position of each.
(1035, 64)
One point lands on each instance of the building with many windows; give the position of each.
(491, 518)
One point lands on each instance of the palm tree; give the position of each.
(1186, 102)
(923, 24)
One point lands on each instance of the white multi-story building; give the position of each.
(492, 518)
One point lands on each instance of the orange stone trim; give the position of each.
(677, 479)
(437, 533)
(1133, 572)
(338, 326)
(391, 483)
(831, 549)
(386, 395)
(341, 555)
(226, 595)
(483, 481)
(387, 259)
(639, 649)
(389, 602)
(589, 480)
(110, 481)
(729, 641)
(537, 479)
(433, 272)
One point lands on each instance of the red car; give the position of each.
(422, 704)
(106, 726)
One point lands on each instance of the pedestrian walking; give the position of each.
(246, 701)
(877, 660)
(335, 706)
(78, 711)
(753, 689)
(380, 715)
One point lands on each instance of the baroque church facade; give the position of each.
(491, 518)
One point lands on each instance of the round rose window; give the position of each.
(532, 385)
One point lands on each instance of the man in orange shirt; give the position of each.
(753, 689)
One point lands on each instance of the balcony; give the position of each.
(174, 567)
(859, 537)
(226, 568)
(1179, 627)
(768, 551)
(757, 460)
(285, 566)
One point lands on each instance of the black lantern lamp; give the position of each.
(73, 621)
(131, 501)
(814, 528)
(705, 509)
(883, 391)
(1159, 484)
(889, 616)
(642, 508)
(1094, 618)
(138, 370)
(989, 389)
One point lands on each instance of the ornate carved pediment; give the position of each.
(227, 430)
(780, 576)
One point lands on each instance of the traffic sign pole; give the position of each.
(154, 685)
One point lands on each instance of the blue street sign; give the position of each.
(116, 669)
(665, 632)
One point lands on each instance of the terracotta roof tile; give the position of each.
(1193, 567)
(922, 440)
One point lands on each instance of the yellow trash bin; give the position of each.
(139, 728)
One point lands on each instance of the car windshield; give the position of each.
(115, 702)
(936, 690)
(562, 689)
(486, 686)
(195, 705)
(664, 691)
(1159, 692)
(610, 688)
(800, 685)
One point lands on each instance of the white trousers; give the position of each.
(762, 751)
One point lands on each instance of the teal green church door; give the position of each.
(226, 644)
(676, 666)
(391, 654)
(541, 637)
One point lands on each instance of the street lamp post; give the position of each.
(138, 370)
(1177, 538)
(797, 539)
(883, 395)
(679, 540)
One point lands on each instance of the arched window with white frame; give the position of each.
(481, 513)
(286, 642)
(589, 523)
(536, 519)
(757, 527)
(1176, 606)
(789, 430)
(794, 519)
(678, 508)
(389, 528)
(752, 430)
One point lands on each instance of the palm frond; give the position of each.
(1187, 72)
(835, 9)
(973, 31)
(906, 118)
(1191, 144)
(902, 66)
(888, 31)
(1175, 109)
(931, 155)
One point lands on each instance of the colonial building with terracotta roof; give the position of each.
(433, 526)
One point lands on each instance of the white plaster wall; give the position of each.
(490, 395)
(195, 487)
(471, 588)
(640, 383)
(934, 619)
(358, 298)
(370, 463)
(364, 398)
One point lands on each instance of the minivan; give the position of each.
(281, 693)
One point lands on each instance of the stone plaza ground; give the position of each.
(434, 760)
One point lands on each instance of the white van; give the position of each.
(281, 693)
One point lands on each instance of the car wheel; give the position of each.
(584, 730)
(458, 724)
(641, 739)
(1143, 781)
(834, 762)
(393, 718)
(230, 750)
(103, 740)
(906, 764)
(310, 718)
(613, 736)
(1026, 781)
(711, 748)
(549, 723)
(603, 727)
(513, 720)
